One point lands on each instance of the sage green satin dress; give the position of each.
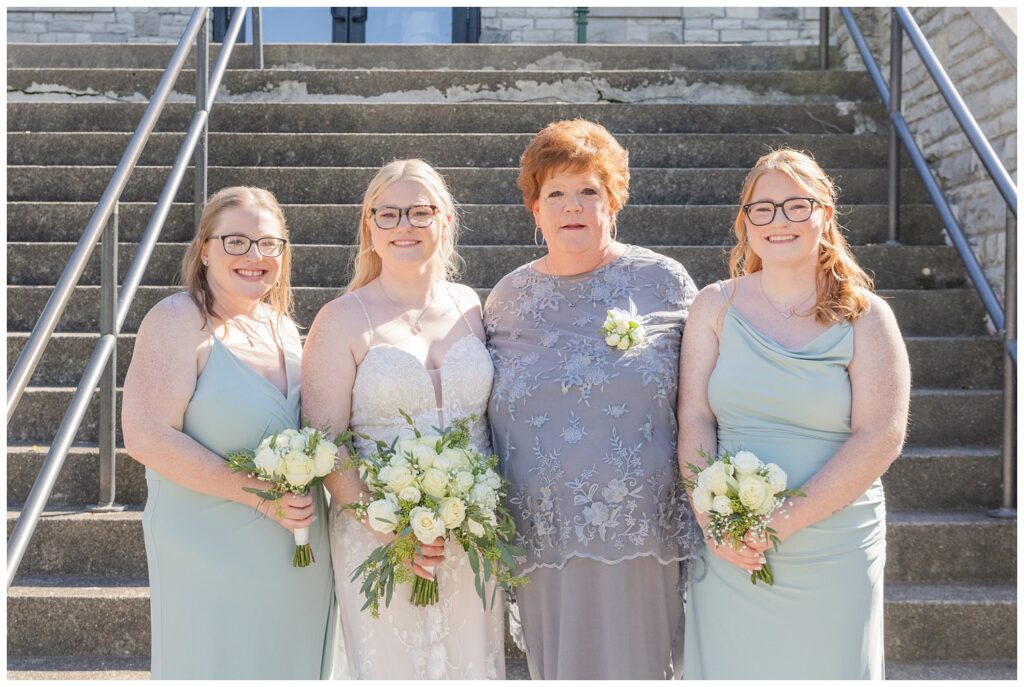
(822, 619)
(225, 601)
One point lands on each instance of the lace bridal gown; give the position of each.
(456, 638)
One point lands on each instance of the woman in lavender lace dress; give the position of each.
(587, 432)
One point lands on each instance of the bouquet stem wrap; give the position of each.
(303, 551)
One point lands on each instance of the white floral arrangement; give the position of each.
(624, 329)
(740, 493)
(292, 461)
(429, 486)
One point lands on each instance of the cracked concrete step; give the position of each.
(447, 150)
(951, 670)
(939, 417)
(893, 267)
(454, 118)
(958, 363)
(418, 85)
(922, 478)
(482, 224)
(441, 57)
(920, 312)
(922, 547)
(709, 186)
(954, 623)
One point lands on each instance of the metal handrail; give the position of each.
(956, 233)
(43, 485)
(1004, 317)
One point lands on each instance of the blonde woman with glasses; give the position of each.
(216, 369)
(404, 336)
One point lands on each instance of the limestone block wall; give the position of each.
(750, 25)
(96, 24)
(977, 47)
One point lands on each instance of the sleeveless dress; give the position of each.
(822, 619)
(225, 601)
(455, 638)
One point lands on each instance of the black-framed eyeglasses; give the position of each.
(794, 209)
(237, 244)
(388, 217)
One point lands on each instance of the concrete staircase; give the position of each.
(315, 125)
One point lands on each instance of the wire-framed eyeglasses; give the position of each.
(237, 244)
(388, 217)
(794, 209)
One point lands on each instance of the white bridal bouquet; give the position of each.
(292, 461)
(429, 486)
(740, 493)
(623, 329)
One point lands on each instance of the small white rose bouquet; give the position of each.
(740, 493)
(292, 461)
(624, 329)
(429, 486)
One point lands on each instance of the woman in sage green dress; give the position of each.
(215, 369)
(796, 360)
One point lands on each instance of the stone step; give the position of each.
(923, 478)
(73, 617)
(88, 668)
(442, 57)
(977, 413)
(893, 267)
(468, 185)
(446, 150)
(960, 363)
(920, 312)
(922, 546)
(530, 118)
(481, 224)
(418, 85)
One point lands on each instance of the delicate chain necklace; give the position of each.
(252, 335)
(414, 326)
(791, 311)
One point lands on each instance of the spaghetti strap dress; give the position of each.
(225, 601)
(822, 619)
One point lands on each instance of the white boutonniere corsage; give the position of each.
(624, 329)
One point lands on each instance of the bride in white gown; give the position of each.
(403, 337)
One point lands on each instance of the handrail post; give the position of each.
(895, 108)
(1008, 508)
(108, 382)
(257, 37)
(581, 24)
(202, 83)
(823, 38)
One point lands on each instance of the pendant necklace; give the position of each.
(414, 326)
(791, 311)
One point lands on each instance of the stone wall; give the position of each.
(977, 48)
(752, 25)
(96, 24)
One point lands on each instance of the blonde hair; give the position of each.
(842, 283)
(578, 145)
(367, 266)
(193, 272)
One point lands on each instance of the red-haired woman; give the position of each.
(796, 360)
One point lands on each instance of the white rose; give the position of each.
(715, 478)
(768, 505)
(430, 441)
(398, 461)
(621, 325)
(722, 505)
(637, 335)
(475, 528)
(452, 512)
(267, 460)
(297, 442)
(491, 479)
(325, 458)
(463, 482)
(456, 458)
(752, 491)
(425, 525)
(384, 474)
(398, 478)
(410, 494)
(612, 339)
(297, 468)
(623, 344)
(702, 499)
(406, 446)
(746, 463)
(434, 482)
(383, 514)
(442, 462)
(424, 456)
(777, 478)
